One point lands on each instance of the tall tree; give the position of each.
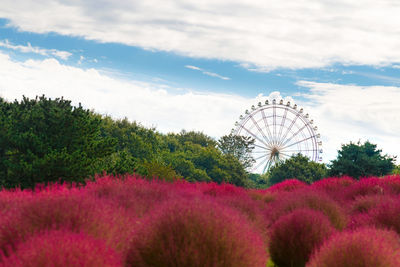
(361, 160)
(239, 147)
(44, 140)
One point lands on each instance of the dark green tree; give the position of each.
(299, 167)
(361, 160)
(238, 146)
(45, 140)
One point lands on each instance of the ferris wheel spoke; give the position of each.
(303, 150)
(267, 166)
(282, 123)
(283, 153)
(274, 123)
(255, 136)
(305, 139)
(259, 129)
(260, 157)
(295, 134)
(266, 124)
(289, 128)
(260, 146)
(259, 164)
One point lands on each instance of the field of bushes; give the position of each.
(131, 221)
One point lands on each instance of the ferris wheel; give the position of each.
(280, 131)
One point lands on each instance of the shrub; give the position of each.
(333, 186)
(316, 200)
(384, 215)
(363, 204)
(72, 211)
(196, 233)
(359, 248)
(62, 248)
(364, 187)
(295, 235)
(287, 185)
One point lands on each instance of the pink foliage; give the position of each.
(62, 248)
(196, 233)
(214, 224)
(333, 186)
(359, 248)
(71, 210)
(384, 215)
(295, 235)
(287, 185)
(307, 198)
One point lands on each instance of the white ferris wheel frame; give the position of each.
(280, 130)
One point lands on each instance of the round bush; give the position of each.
(385, 215)
(359, 248)
(295, 235)
(62, 248)
(364, 204)
(196, 233)
(72, 211)
(287, 186)
(312, 199)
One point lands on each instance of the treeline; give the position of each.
(47, 140)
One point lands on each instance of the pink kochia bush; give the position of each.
(287, 185)
(70, 210)
(307, 198)
(295, 235)
(62, 248)
(138, 222)
(360, 248)
(385, 214)
(198, 233)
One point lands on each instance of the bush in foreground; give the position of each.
(295, 235)
(64, 249)
(54, 210)
(360, 248)
(196, 233)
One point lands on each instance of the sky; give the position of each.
(198, 65)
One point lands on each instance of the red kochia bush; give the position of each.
(295, 235)
(364, 204)
(307, 198)
(333, 186)
(384, 215)
(62, 248)
(365, 187)
(287, 186)
(196, 233)
(72, 211)
(360, 248)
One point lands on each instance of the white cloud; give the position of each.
(262, 34)
(64, 55)
(148, 103)
(212, 74)
(343, 113)
(347, 113)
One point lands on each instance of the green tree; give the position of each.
(361, 160)
(299, 167)
(45, 140)
(197, 159)
(135, 145)
(396, 170)
(238, 146)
